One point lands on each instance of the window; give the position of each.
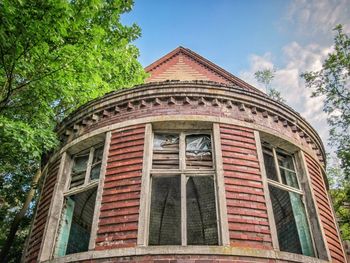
(183, 208)
(79, 202)
(287, 200)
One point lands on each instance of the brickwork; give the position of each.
(188, 259)
(246, 208)
(121, 194)
(193, 98)
(37, 232)
(325, 210)
(208, 94)
(183, 67)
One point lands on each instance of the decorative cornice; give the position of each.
(195, 93)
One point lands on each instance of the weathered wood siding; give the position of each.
(118, 221)
(246, 207)
(41, 216)
(325, 210)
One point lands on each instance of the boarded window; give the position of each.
(183, 202)
(198, 152)
(166, 151)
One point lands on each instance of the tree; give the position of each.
(55, 55)
(265, 77)
(333, 83)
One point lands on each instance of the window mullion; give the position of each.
(182, 152)
(183, 211)
(277, 165)
(88, 168)
(182, 163)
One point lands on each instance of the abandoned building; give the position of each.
(195, 165)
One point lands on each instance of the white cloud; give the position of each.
(288, 81)
(319, 16)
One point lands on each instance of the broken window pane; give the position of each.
(270, 164)
(166, 151)
(165, 215)
(291, 222)
(79, 170)
(76, 223)
(201, 211)
(198, 151)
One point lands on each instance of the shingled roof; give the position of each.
(184, 64)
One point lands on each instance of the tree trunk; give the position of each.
(18, 218)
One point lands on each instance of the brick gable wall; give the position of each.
(182, 67)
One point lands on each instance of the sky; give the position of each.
(245, 36)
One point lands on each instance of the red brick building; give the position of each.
(195, 165)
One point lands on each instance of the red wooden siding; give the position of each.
(121, 192)
(41, 215)
(325, 211)
(246, 207)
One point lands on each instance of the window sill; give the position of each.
(187, 250)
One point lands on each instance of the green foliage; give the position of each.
(55, 55)
(265, 77)
(340, 194)
(332, 82)
(276, 95)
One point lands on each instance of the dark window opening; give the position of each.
(165, 217)
(201, 211)
(76, 223)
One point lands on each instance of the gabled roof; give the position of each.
(184, 64)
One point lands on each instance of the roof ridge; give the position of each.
(201, 61)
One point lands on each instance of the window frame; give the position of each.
(280, 185)
(216, 172)
(87, 185)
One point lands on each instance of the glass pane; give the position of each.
(95, 172)
(270, 165)
(201, 211)
(165, 141)
(285, 161)
(80, 163)
(98, 153)
(165, 151)
(291, 222)
(76, 226)
(289, 178)
(198, 151)
(165, 218)
(79, 170)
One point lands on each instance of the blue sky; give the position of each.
(245, 36)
